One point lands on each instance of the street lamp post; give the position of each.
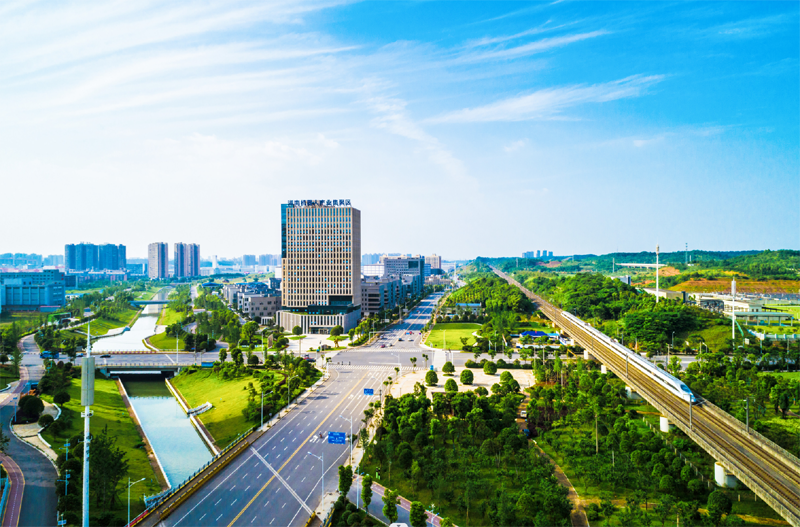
(129, 496)
(288, 391)
(322, 488)
(262, 406)
(351, 436)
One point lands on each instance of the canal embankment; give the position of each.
(201, 428)
(158, 469)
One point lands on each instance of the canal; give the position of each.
(145, 326)
(178, 446)
(175, 441)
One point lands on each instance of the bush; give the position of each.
(448, 368)
(45, 420)
(489, 368)
(61, 398)
(467, 377)
(450, 386)
(31, 406)
(431, 379)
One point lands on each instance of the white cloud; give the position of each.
(516, 145)
(549, 102)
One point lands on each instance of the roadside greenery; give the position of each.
(117, 448)
(464, 452)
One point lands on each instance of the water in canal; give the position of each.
(145, 326)
(177, 444)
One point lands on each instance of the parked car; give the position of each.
(105, 356)
(383, 345)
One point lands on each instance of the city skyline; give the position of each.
(595, 127)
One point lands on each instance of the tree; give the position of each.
(3, 359)
(345, 479)
(236, 355)
(664, 509)
(297, 331)
(61, 397)
(390, 501)
(253, 360)
(466, 376)
(366, 491)
(107, 467)
(489, 368)
(351, 334)
(666, 483)
(431, 379)
(31, 406)
(417, 514)
(450, 385)
(248, 331)
(719, 504)
(336, 331)
(223, 354)
(448, 368)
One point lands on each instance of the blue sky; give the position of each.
(461, 128)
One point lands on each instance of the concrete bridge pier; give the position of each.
(723, 478)
(665, 425)
(603, 368)
(631, 394)
(587, 355)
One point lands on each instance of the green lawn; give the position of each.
(225, 420)
(776, 330)
(169, 316)
(715, 337)
(454, 333)
(163, 342)
(147, 294)
(7, 375)
(788, 308)
(110, 411)
(102, 325)
(25, 320)
(787, 374)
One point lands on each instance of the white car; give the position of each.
(523, 414)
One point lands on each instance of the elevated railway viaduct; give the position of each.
(764, 467)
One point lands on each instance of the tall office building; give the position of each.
(410, 268)
(158, 260)
(186, 262)
(321, 259)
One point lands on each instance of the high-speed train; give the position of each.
(669, 382)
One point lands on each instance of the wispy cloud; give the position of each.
(752, 27)
(531, 48)
(549, 102)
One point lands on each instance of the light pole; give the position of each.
(262, 406)
(66, 485)
(351, 436)
(129, 496)
(87, 399)
(747, 411)
(322, 488)
(288, 391)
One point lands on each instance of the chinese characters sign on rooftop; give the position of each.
(320, 202)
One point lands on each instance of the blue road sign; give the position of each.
(431, 367)
(369, 391)
(337, 438)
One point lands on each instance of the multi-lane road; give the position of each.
(278, 480)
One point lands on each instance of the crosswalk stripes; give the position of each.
(370, 367)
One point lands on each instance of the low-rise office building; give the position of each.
(32, 291)
(259, 306)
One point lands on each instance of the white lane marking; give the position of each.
(259, 475)
(273, 521)
(201, 518)
(302, 480)
(217, 503)
(247, 488)
(234, 501)
(218, 517)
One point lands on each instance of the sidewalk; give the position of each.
(578, 515)
(29, 433)
(376, 506)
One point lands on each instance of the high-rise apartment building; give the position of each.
(529, 254)
(434, 261)
(249, 260)
(158, 260)
(186, 262)
(321, 259)
(88, 256)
